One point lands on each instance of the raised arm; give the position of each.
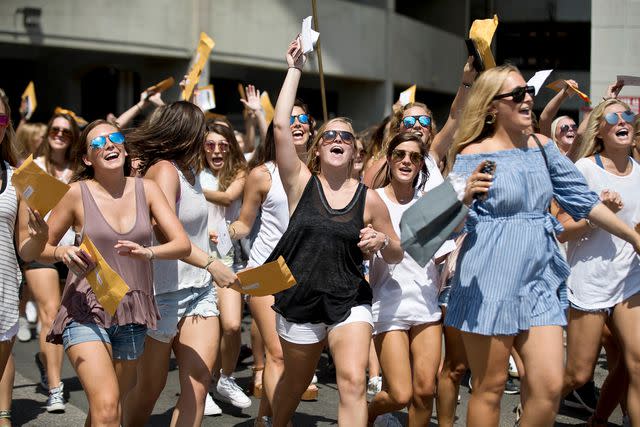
(228, 196)
(551, 109)
(125, 118)
(443, 139)
(252, 103)
(293, 172)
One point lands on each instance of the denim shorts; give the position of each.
(606, 310)
(174, 306)
(127, 341)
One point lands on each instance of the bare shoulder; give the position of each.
(259, 178)
(480, 147)
(544, 140)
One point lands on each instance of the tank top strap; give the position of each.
(143, 218)
(357, 201)
(90, 208)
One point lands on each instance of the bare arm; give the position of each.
(228, 196)
(257, 187)
(607, 220)
(31, 232)
(252, 103)
(551, 109)
(373, 237)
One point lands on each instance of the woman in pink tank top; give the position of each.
(115, 212)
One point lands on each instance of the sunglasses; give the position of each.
(400, 155)
(66, 133)
(410, 121)
(4, 120)
(518, 93)
(612, 118)
(565, 128)
(223, 146)
(302, 118)
(331, 135)
(99, 142)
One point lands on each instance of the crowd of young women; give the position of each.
(155, 198)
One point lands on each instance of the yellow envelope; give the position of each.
(29, 96)
(40, 190)
(205, 45)
(408, 96)
(268, 279)
(105, 282)
(481, 32)
(79, 120)
(267, 106)
(162, 86)
(559, 84)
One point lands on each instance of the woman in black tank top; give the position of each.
(335, 223)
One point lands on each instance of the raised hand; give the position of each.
(612, 200)
(469, 73)
(613, 90)
(295, 57)
(252, 102)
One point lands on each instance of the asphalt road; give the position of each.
(28, 402)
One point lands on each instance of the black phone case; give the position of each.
(472, 49)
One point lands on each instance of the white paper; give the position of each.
(224, 240)
(405, 97)
(538, 79)
(205, 99)
(308, 36)
(629, 80)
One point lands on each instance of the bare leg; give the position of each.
(6, 384)
(454, 367)
(426, 341)
(230, 305)
(374, 363)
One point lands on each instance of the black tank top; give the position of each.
(321, 248)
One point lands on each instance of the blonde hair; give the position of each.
(313, 161)
(591, 142)
(473, 122)
(395, 127)
(554, 127)
(25, 134)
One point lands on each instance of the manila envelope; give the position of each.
(106, 284)
(481, 33)
(41, 191)
(162, 86)
(79, 120)
(205, 45)
(267, 106)
(29, 96)
(407, 96)
(559, 84)
(268, 279)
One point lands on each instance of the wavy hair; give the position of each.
(591, 142)
(175, 133)
(45, 148)
(7, 145)
(383, 177)
(82, 171)
(313, 160)
(234, 161)
(473, 122)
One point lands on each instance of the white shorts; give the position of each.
(399, 325)
(312, 333)
(12, 332)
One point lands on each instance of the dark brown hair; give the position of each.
(234, 161)
(176, 133)
(266, 151)
(383, 176)
(7, 145)
(82, 171)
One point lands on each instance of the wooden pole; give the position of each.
(322, 91)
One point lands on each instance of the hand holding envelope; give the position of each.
(479, 42)
(268, 279)
(41, 191)
(558, 85)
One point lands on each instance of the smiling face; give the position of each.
(405, 162)
(216, 148)
(60, 134)
(514, 116)
(424, 132)
(338, 152)
(566, 137)
(111, 156)
(299, 131)
(359, 155)
(617, 135)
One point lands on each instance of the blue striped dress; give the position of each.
(510, 268)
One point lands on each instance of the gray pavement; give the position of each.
(28, 402)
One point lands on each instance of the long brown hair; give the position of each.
(45, 149)
(7, 145)
(383, 177)
(313, 161)
(176, 133)
(82, 171)
(234, 161)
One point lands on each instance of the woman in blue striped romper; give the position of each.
(509, 269)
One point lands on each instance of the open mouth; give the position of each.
(336, 149)
(217, 161)
(525, 111)
(297, 134)
(112, 156)
(622, 133)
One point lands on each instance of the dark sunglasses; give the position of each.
(331, 135)
(65, 132)
(612, 118)
(302, 118)
(4, 120)
(99, 142)
(518, 93)
(565, 128)
(399, 155)
(223, 146)
(410, 121)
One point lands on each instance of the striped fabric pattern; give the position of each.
(9, 270)
(510, 268)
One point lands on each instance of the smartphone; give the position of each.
(489, 167)
(472, 49)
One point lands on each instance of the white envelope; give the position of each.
(538, 79)
(224, 240)
(308, 36)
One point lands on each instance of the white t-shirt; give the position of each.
(405, 291)
(605, 269)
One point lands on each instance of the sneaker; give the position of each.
(374, 386)
(30, 312)
(55, 402)
(513, 369)
(44, 382)
(314, 380)
(585, 398)
(386, 420)
(511, 387)
(24, 333)
(211, 407)
(228, 391)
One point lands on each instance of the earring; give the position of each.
(490, 118)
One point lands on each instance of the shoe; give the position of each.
(30, 312)
(314, 380)
(585, 398)
(374, 386)
(513, 369)
(211, 407)
(228, 391)
(459, 399)
(55, 402)
(24, 333)
(44, 382)
(386, 420)
(511, 387)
